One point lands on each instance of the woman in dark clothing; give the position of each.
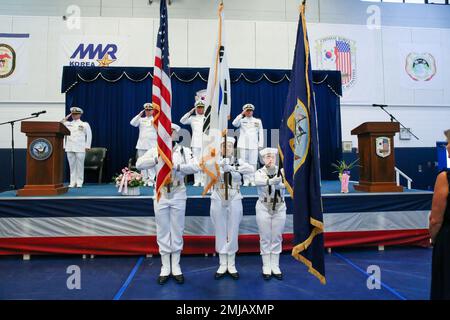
(440, 234)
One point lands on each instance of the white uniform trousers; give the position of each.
(169, 218)
(226, 220)
(271, 227)
(149, 174)
(199, 176)
(76, 165)
(249, 156)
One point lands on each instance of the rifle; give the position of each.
(226, 175)
(277, 192)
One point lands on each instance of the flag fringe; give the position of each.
(296, 251)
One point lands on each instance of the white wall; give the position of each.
(256, 32)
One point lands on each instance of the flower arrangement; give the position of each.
(343, 167)
(128, 179)
(344, 173)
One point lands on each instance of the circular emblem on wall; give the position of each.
(7, 60)
(40, 149)
(420, 66)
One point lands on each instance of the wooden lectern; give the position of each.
(45, 158)
(377, 159)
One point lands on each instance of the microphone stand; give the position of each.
(394, 119)
(13, 165)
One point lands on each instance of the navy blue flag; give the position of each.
(299, 152)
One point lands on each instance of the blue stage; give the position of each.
(328, 188)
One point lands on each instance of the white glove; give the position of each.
(275, 181)
(280, 186)
(224, 161)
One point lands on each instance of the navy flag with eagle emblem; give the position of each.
(299, 152)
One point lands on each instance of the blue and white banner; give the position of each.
(14, 57)
(94, 51)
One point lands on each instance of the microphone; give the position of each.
(38, 113)
(379, 105)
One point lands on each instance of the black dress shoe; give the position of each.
(235, 275)
(278, 276)
(218, 275)
(179, 278)
(266, 276)
(162, 279)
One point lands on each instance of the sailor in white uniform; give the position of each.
(147, 138)
(171, 207)
(196, 122)
(251, 139)
(76, 145)
(226, 213)
(270, 213)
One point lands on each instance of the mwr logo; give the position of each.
(89, 54)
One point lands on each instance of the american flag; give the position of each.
(344, 60)
(161, 99)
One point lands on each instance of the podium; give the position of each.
(377, 159)
(45, 158)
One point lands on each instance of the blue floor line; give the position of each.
(129, 279)
(391, 290)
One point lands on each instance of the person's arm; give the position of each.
(66, 118)
(136, 120)
(87, 127)
(261, 135)
(148, 160)
(237, 121)
(260, 179)
(186, 119)
(191, 166)
(244, 168)
(439, 205)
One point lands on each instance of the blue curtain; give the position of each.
(111, 96)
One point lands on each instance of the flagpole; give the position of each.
(225, 174)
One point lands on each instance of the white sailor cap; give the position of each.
(148, 106)
(76, 110)
(248, 106)
(199, 103)
(175, 127)
(229, 140)
(266, 151)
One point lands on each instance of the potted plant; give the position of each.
(344, 172)
(129, 182)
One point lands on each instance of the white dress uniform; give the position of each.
(147, 140)
(226, 215)
(75, 146)
(251, 138)
(270, 220)
(196, 123)
(171, 207)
